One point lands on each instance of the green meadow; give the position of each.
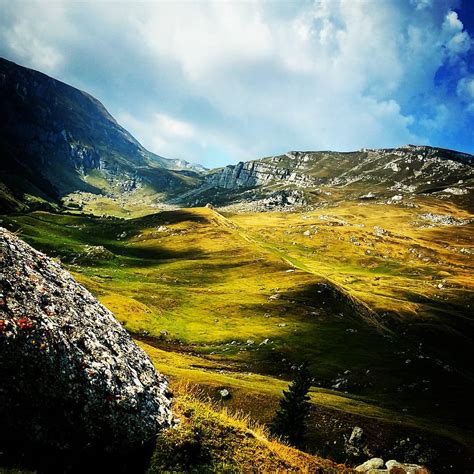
(239, 301)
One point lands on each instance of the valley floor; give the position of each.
(376, 298)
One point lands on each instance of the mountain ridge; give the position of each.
(58, 139)
(300, 177)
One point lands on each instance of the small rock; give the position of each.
(357, 436)
(374, 463)
(224, 393)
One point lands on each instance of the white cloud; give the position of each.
(422, 4)
(252, 78)
(465, 91)
(457, 40)
(159, 133)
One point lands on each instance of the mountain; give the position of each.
(57, 139)
(299, 178)
(369, 280)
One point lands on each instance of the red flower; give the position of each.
(3, 325)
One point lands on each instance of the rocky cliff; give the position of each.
(256, 173)
(409, 166)
(71, 376)
(365, 173)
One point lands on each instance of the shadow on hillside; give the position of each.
(149, 255)
(169, 218)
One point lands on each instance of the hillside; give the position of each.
(56, 139)
(230, 302)
(77, 393)
(299, 179)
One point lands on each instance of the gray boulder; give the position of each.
(354, 446)
(70, 374)
(395, 467)
(374, 463)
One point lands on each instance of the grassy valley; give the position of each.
(237, 301)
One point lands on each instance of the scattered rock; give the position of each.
(367, 196)
(356, 442)
(444, 219)
(92, 253)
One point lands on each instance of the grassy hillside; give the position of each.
(239, 301)
(209, 438)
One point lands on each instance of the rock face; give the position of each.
(70, 374)
(365, 174)
(255, 173)
(407, 168)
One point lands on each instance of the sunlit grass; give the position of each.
(246, 297)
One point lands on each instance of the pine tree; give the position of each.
(290, 422)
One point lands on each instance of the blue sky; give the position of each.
(218, 82)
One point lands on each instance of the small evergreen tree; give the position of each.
(290, 422)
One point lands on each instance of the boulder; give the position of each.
(374, 463)
(354, 446)
(71, 376)
(395, 467)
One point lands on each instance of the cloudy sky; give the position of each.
(217, 82)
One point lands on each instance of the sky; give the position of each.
(226, 81)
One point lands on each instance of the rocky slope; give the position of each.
(54, 137)
(299, 178)
(72, 378)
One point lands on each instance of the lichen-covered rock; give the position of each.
(70, 374)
